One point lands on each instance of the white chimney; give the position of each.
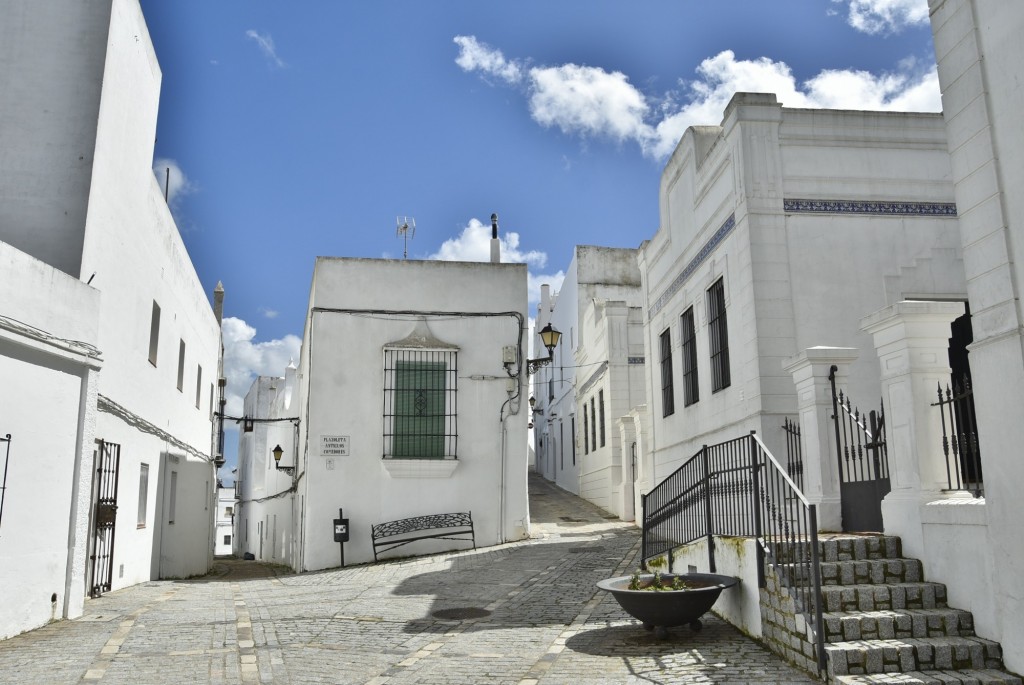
(495, 243)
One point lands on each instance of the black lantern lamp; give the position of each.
(278, 452)
(549, 336)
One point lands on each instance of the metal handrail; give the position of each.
(738, 488)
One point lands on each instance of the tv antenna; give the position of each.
(406, 229)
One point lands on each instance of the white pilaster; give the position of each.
(912, 342)
(810, 370)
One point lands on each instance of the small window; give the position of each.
(173, 504)
(227, 539)
(199, 385)
(154, 333)
(593, 425)
(181, 365)
(573, 428)
(691, 391)
(600, 414)
(586, 430)
(668, 403)
(143, 494)
(718, 333)
(420, 404)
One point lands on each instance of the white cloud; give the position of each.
(172, 179)
(245, 359)
(477, 56)
(592, 102)
(886, 16)
(474, 245)
(587, 100)
(269, 313)
(266, 46)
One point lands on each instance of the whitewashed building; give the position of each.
(780, 229)
(265, 505)
(595, 379)
(110, 338)
(411, 402)
(979, 548)
(224, 522)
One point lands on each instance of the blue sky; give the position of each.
(302, 129)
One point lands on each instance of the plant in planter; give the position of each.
(663, 600)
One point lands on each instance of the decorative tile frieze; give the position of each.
(705, 251)
(636, 360)
(882, 208)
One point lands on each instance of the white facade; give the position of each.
(79, 126)
(807, 220)
(265, 507)
(224, 522)
(365, 314)
(580, 444)
(979, 53)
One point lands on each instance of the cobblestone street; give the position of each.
(543, 622)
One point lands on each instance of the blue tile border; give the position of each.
(636, 360)
(882, 208)
(705, 251)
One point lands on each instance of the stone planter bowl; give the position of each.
(661, 610)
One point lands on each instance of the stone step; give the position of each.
(858, 657)
(968, 677)
(842, 547)
(897, 624)
(923, 595)
(861, 572)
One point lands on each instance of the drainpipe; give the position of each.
(495, 243)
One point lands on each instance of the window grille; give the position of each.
(718, 332)
(600, 403)
(691, 391)
(668, 403)
(420, 404)
(573, 429)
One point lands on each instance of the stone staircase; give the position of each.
(884, 623)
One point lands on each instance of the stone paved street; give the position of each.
(547, 624)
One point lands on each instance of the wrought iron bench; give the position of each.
(391, 534)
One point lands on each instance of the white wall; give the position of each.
(133, 247)
(53, 56)
(48, 409)
(979, 52)
(224, 522)
(341, 383)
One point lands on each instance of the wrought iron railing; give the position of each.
(960, 437)
(737, 488)
(794, 452)
(863, 454)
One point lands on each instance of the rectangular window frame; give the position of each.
(593, 424)
(668, 402)
(586, 430)
(718, 337)
(688, 335)
(172, 506)
(420, 404)
(154, 334)
(600, 414)
(181, 366)
(143, 495)
(199, 386)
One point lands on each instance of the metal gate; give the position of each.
(108, 459)
(863, 462)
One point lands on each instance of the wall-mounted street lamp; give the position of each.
(549, 335)
(278, 452)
